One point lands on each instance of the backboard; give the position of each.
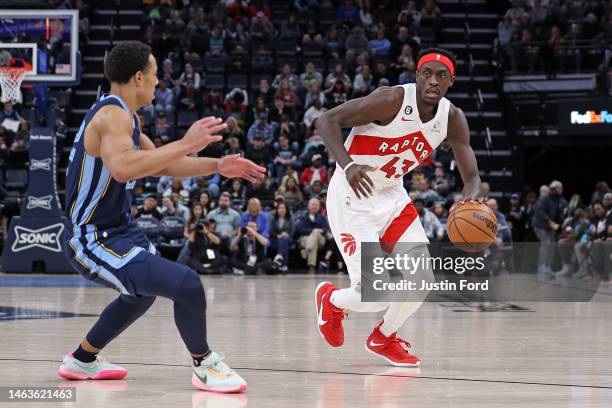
(48, 40)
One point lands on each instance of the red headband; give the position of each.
(436, 57)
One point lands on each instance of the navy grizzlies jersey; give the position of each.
(93, 197)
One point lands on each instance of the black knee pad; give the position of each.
(191, 289)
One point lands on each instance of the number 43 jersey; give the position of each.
(401, 145)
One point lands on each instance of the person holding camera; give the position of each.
(204, 256)
(249, 252)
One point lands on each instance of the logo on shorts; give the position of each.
(44, 164)
(44, 238)
(349, 243)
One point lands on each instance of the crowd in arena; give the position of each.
(542, 35)
(230, 226)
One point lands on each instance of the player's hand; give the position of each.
(202, 133)
(235, 166)
(466, 200)
(360, 182)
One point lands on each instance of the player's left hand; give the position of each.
(236, 166)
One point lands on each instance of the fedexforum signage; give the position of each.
(585, 117)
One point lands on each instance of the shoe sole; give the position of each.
(319, 286)
(393, 363)
(69, 374)
(195, 381)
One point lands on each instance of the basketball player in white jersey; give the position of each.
(394, 129)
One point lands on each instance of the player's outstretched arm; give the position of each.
(228, 166)
(381, 105)
(459, 139)
(113, 126)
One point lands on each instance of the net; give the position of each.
(10, 82)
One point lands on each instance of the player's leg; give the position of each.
(83, 363)
(349, 228)
(383, 341)
(157, 276)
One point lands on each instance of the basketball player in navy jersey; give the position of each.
(105, 246)
(394, 130)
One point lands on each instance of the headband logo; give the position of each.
(437, 57)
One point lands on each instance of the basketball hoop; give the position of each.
(10, 81)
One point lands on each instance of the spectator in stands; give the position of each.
(338, 74)
(356, 43)
(234, 130)
(601, 189)
(434, 230)
(262, 60)
(515, 218)
(431, 17)
(574, 228)
(238, 36)
(170, 209)
(257, 151)
(313, 112)
(332, 45)
(290, 29)
(261, 30)
(239, 61)
(264, 92)
(162, 129)
(286, 128)
(190, 78)
(280, 109)
(425, 193)
(205, 200)
(316, 171)
(380, 76)
(249, 252)
(380, 46)
(9, 113)
(314, 93)
(348, 13)
(408, 75)
(286, 74)
(505, 29)
(311, 230)
(485, 190)
(311, 77)
(570, 50)
(205, 248)
(148, 208)
(237, 12)
(312, 36)
(285, 156)
(281, 231)
(336, 95)
(290, 190)
(236, 103)
(504, 234)
(188, 101)
(261, 129)
(550, 212)
(255, 214)
(363, 83)
(213, 97)
(260, 110)
(261, 189)
(550, 51)
(288, 95)
(440, 212)
(227, 220)
(522, 52)
(515, 12)
(164, 100)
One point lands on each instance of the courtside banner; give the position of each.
(440, 272)
(585, 117)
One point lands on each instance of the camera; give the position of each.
(201, 224)
(243, 230)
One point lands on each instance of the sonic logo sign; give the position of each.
(47, 238)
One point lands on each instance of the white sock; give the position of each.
(396, 315)
(350, 298)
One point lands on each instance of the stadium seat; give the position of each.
(215, 81)
(237, 81)
(312, 51)
(150, 226)
(258, 77)
(171, 238)
(186, 118)
(285, 48)
(293, 63)
(214, 64)
(16, 179)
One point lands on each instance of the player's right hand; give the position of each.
(202, 133)
(360, 182)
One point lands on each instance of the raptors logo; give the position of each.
(349, 243)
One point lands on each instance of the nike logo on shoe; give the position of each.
(320, 314)
(407, 120)
(372, 344)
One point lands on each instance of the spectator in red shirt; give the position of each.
(314, 172)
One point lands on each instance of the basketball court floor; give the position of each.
(474, 355)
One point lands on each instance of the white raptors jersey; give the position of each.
(400, 146)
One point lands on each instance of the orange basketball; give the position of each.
(472, 226)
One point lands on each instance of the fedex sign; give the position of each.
(590, 117)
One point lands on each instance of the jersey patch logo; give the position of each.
(408, 110)
(349, 243)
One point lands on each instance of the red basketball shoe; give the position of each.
(391, 348)
(329, 317)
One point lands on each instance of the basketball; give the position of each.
(472, 226)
